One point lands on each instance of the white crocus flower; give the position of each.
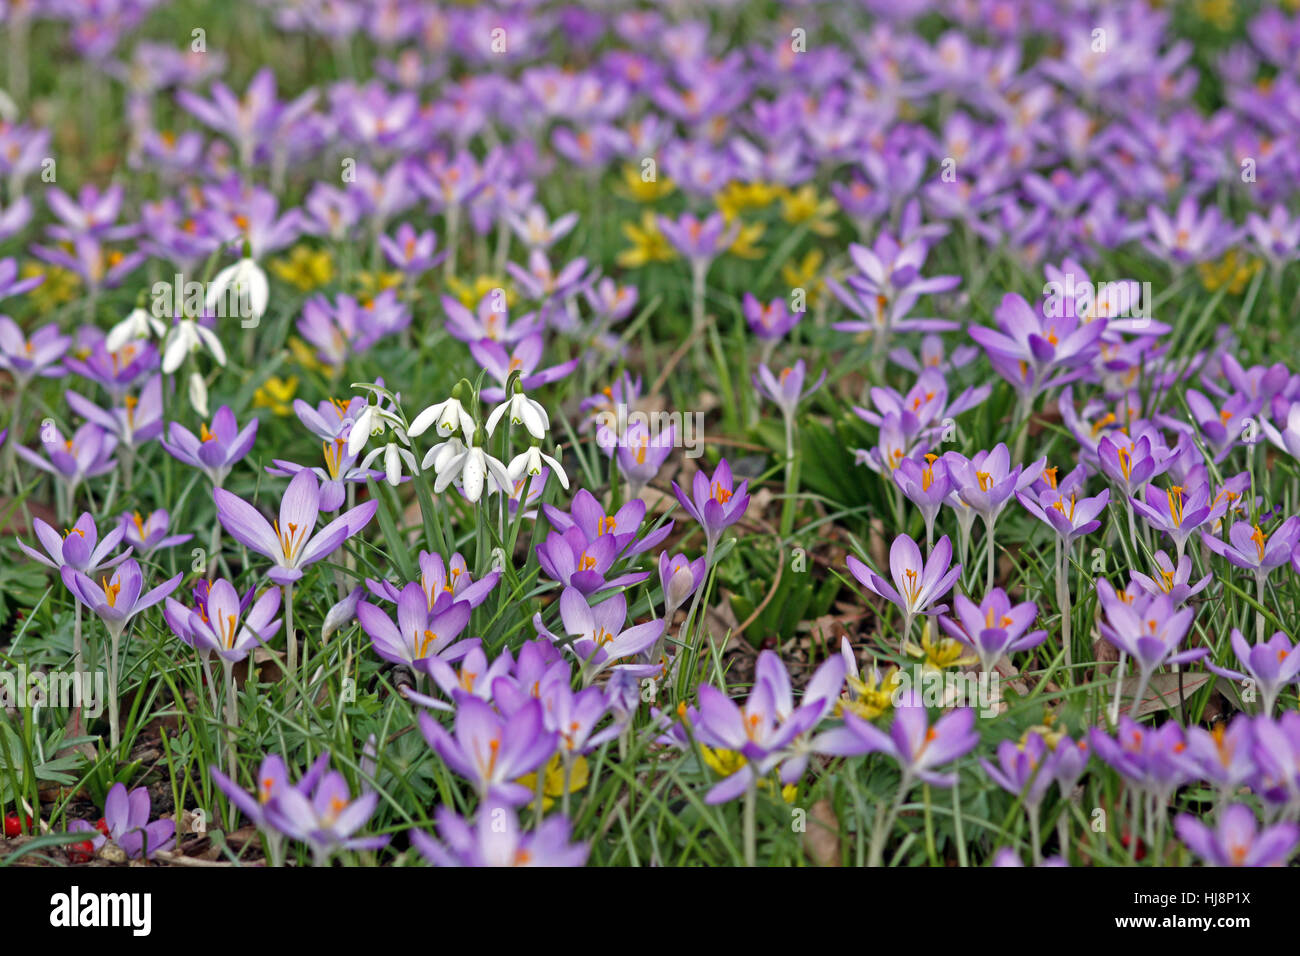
(530, 463)
(394, 457)
(523, 410)
(187, 336)
(138, 325)
(251, 292)
(446, 416)
(472, 466)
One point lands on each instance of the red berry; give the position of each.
(102, 826)
(14, 826)
(82, 852)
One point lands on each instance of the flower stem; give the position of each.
(751, 835)
(885, 826)
(291, 642)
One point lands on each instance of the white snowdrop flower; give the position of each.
(198, 394)
(394, 457)
(251, 292)
(371, 423)
(523, 411)
(531, 463)
(138, 325)
(472, 466)
(441, 454)
(446, 417)
(187, 336)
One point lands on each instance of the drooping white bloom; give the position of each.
(446, 416)
(441, 454)
(371, 423)
(472, 467)
(198, 391)
(523, 410)
(138, 325)
(530, 463)
(394, 457)
(246, 283)
(187, 336)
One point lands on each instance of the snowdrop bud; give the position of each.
(198, 394)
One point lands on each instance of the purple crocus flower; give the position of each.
(78, 548)
(1071, 518)
(698, 241)
(127, 818)
(1035, 352)
(1022, 768)
(715, 502)
(341, 469)
(324, 818)
(917, 583)
(600, 640)
(1131, 463)
(1178, 512)
(221, 624)
(1236, 840)
(1189, 236)
(137, 421)
(215, 450)
(986, 481)
(87, 454)
(496, 839)
(764, 728)
(411, 252)
(581, 562)
(147, 535)
(1249, 547)
(1152, 760)
(640, 453)
(786, 390)
(117, 598)
(926, 486)
(420, 631)
(586, 513)
(292, 542)
(1271, 665)
(918, 747)
(1148, 629)
(26, 358)
(993, 627)
(523, 358)
(271, 782)
(679, 577)
(769, 321)
(492, 751)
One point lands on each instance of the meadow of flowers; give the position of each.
(624, 433)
